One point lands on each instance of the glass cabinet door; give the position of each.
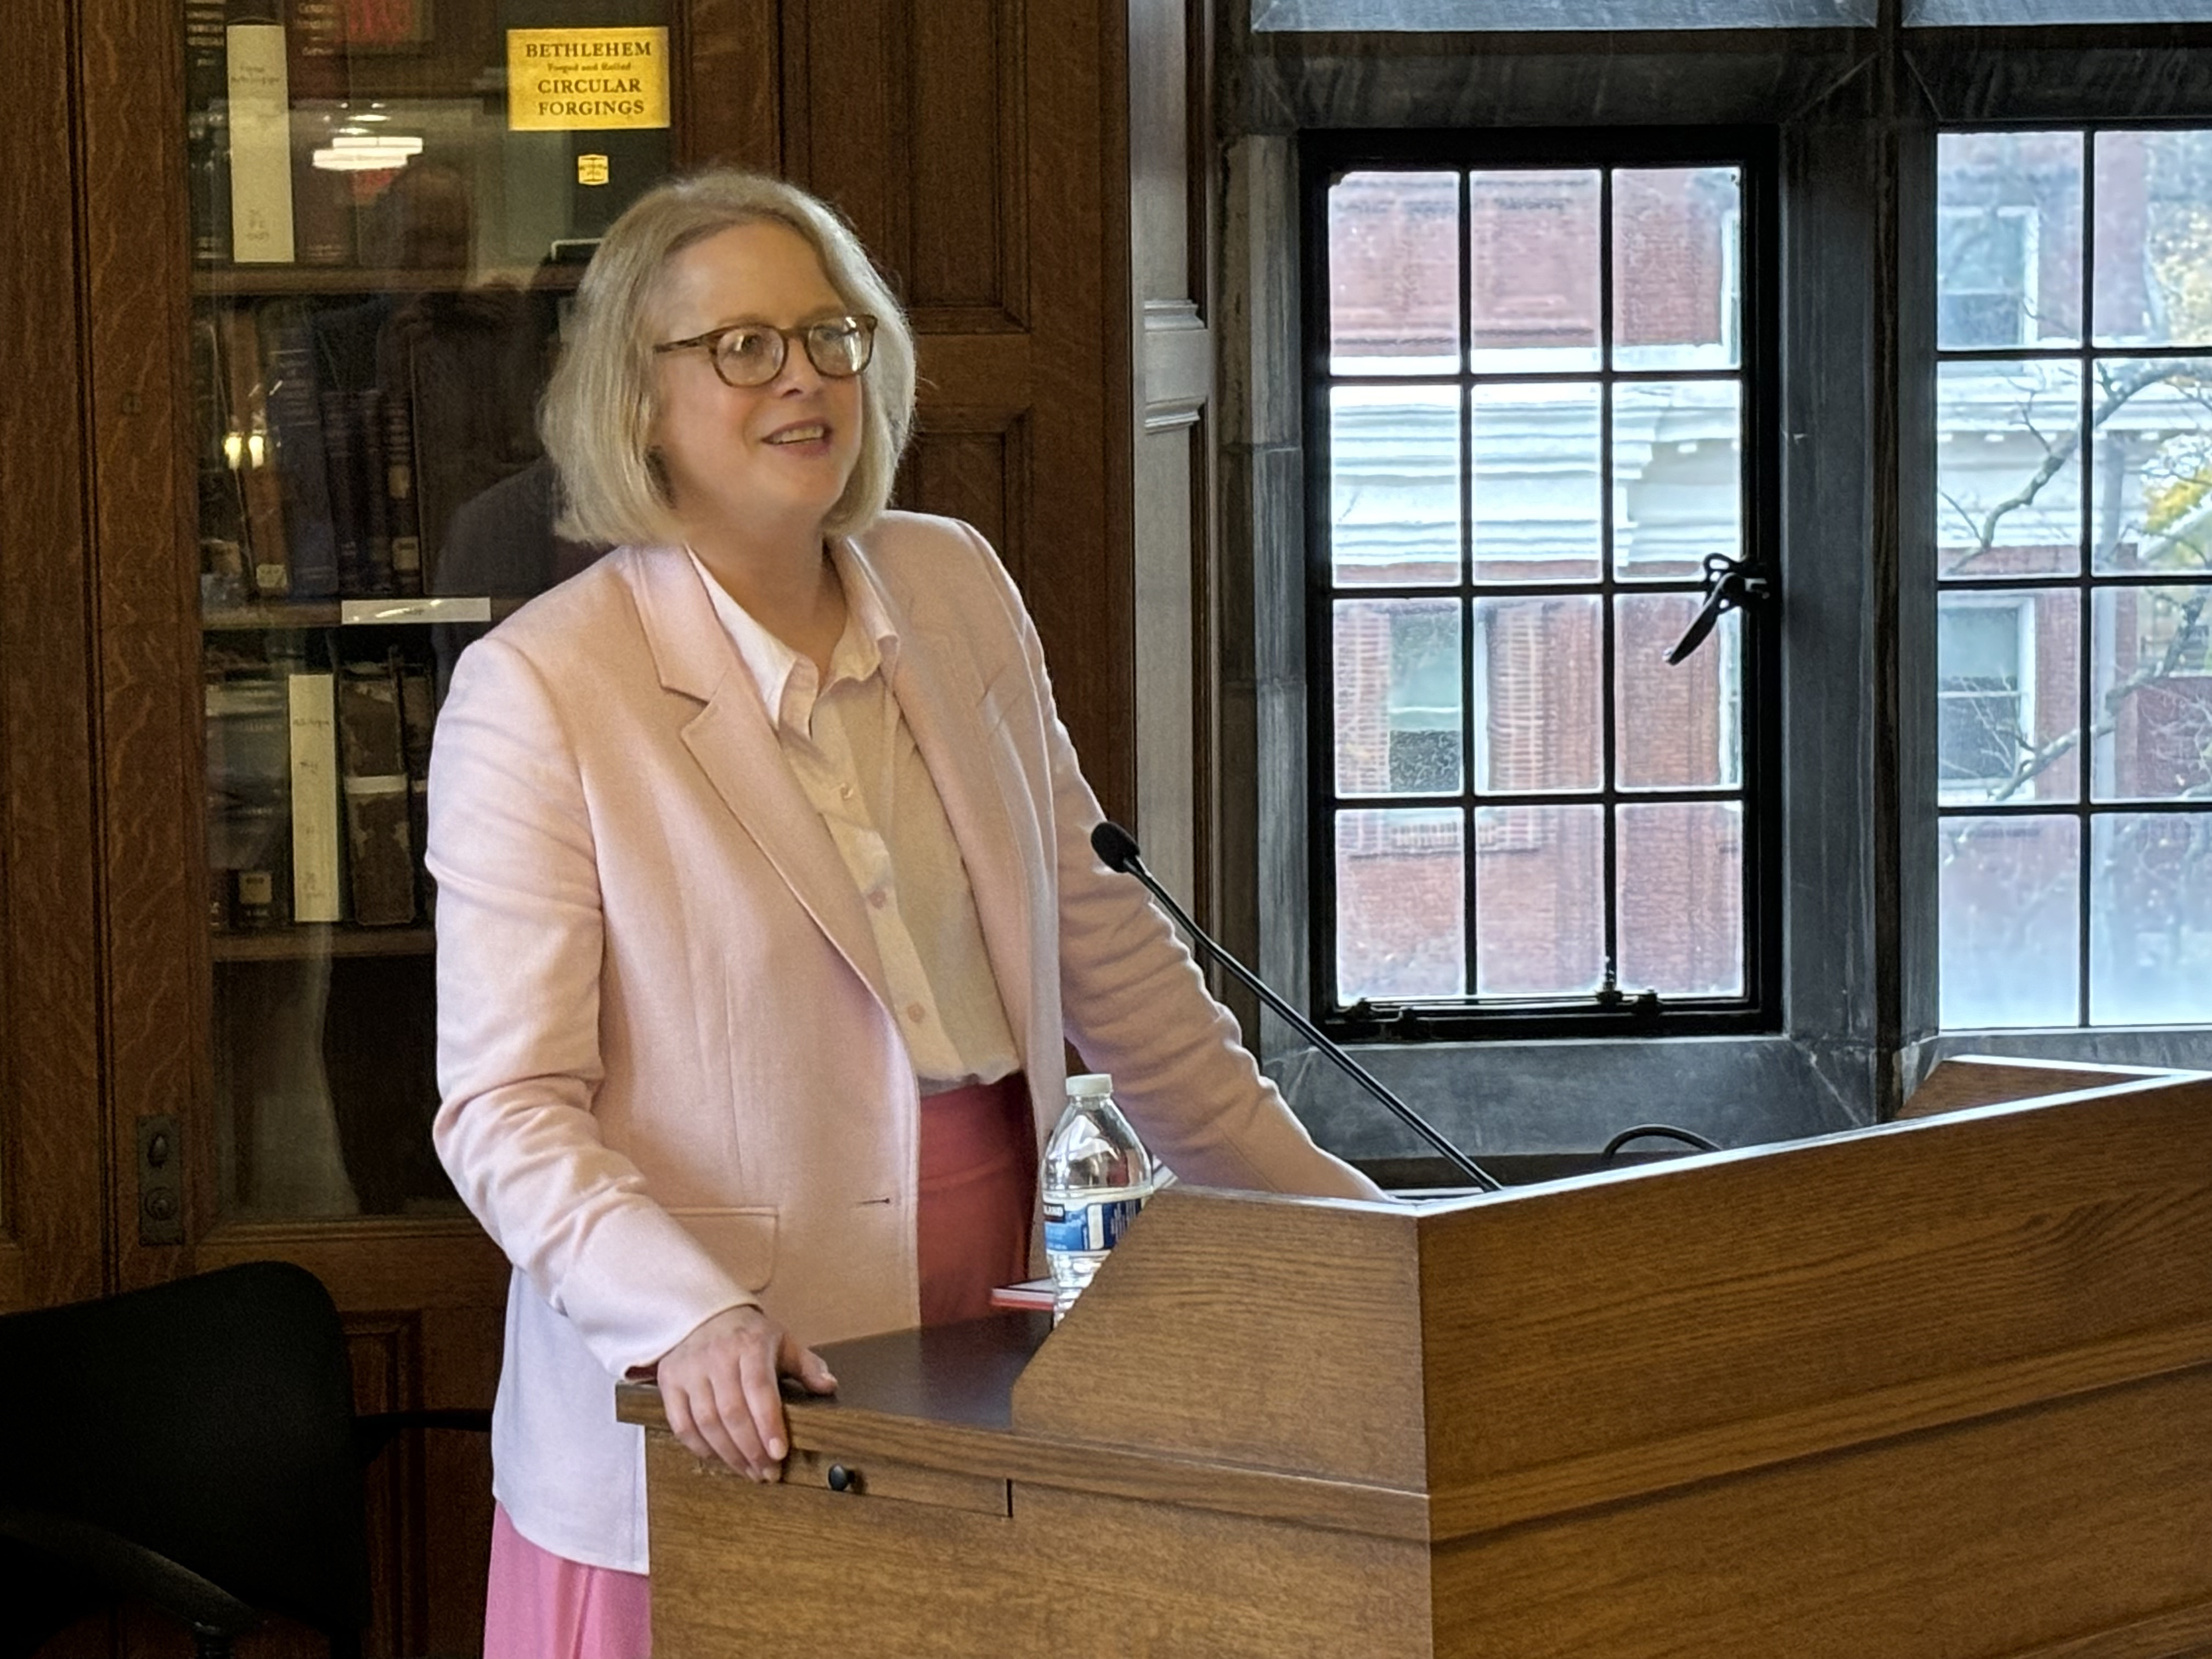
(392, 202)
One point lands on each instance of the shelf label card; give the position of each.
(587, 80)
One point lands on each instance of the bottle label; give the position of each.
(1085, 1227)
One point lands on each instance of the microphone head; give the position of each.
(1116, 846)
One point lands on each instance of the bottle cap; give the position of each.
(1088, 1085)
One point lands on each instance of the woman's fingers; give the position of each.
(807, 1366)
(719, 1389)
(718, 1436)
(733, 1409)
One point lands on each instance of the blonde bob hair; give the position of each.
(598, 417)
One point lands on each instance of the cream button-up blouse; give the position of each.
(847, 745)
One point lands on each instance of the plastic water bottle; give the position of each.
(1096, 1176)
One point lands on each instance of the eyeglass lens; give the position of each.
(839, 348)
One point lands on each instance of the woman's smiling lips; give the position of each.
(811, 434)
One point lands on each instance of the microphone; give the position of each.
(1117, 850)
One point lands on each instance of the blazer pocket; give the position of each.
(741, 1240)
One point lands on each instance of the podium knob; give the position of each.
(842, 1479)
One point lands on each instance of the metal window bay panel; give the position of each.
(1931, 13)
(1445, 17)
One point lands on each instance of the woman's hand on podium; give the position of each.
(718, 1388)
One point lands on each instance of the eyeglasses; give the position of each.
(752, 354)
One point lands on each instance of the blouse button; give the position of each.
(914, 1012)
(878, 899)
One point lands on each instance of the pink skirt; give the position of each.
(977, 1192)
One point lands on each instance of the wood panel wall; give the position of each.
(52, 1138)
(969, 145)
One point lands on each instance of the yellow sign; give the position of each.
(586, 80)
(591, 169)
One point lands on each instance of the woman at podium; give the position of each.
(765, 902)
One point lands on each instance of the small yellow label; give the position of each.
(591, 169)
(583, 80)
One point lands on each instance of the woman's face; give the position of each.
(754, 456)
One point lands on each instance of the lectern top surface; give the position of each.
(962, 1374)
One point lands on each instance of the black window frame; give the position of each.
(1325, 155)
(2085, 582)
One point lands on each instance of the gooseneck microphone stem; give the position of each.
(1117, 849)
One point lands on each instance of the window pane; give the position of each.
(1536, 500)
(1393, 273)
(2152, 461)
(1677, 492)
(1680, 879)
(1936, 12)
(1539, 901)
(2153, 238)
(2008, 240)
(1681, 726)
(1394, 484)
(2007, 469)
(1398, 720)
(2151, 933)
(2010, 948)
(1533, 259)
(2153, 656)
(1400, 904)
(2008, 695)
(1539, 682)
(1677, 292)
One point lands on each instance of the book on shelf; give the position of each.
(249, 450)
(222, 502)
(418, 714)
(404, 521)
(365, 409)
(207, 129)
(311, 704)
(249, 789)
(380, 832)
(258, 84)
(382, 25)
(322, 198)
(343, 467)
(315, 63)
(295, 433)
(354, 438)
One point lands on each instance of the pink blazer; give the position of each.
(672, 1079)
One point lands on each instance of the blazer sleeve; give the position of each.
(520, 935)
(1135, 1004)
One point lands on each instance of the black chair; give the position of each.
(194, 1445)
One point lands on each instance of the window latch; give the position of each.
(1730, 586)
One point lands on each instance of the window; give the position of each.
(1987, 275)
(1986, 681)
(2074, 542)
(1538, 437)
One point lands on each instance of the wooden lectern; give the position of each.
(1936, 1389)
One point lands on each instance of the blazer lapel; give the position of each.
(940, 697)
(736, 747)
